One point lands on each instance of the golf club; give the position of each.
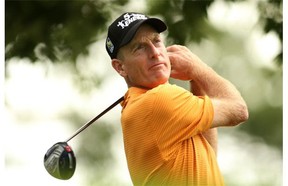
(59, 160)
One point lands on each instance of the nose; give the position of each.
(154, 52)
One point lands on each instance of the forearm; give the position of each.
(212, 84)
(229, 107)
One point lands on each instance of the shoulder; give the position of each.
(177, 97)
(169, 90)
(168, 95)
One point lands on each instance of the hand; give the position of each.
(183, 62)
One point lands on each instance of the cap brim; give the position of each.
(157, 24)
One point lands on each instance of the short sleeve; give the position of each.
(178, 114)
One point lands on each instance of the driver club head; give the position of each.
(60, 161)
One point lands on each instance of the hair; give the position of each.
(120, 55)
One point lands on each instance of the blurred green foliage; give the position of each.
(186, 20)
(271, 16)
(266, 123)
(59, 30)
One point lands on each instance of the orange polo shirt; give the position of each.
(162, 137)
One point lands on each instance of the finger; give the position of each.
(177, 48)
(172, 48)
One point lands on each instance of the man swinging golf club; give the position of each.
(170, 134)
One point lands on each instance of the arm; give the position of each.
(229, 107)
(210, 135)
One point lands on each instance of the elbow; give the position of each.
(246, 114)
(229, 113)
(242, 114)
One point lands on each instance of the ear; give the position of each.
(118, 66)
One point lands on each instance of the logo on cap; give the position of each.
(110, 45)
(130, 18)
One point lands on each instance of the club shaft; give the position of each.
(94, 119)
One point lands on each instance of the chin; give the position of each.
(159, 82)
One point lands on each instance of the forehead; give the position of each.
(144, 32)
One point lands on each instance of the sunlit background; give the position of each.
(45, 103)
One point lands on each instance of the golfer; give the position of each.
(170, 134)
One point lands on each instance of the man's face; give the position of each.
(144, 59)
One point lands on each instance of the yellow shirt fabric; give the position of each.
(162, 137)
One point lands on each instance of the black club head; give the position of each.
(60, 161)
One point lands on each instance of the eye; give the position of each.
(138, 47)
(157, 41)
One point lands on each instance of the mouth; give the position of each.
(156, 65)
